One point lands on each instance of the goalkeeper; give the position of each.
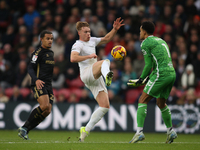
(158, 84)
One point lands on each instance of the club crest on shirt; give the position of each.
(34, 58)
(144, 52)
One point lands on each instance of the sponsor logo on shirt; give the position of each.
(49, 62)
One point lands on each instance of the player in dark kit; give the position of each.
(41, 72)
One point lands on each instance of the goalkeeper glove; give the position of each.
(138, 82)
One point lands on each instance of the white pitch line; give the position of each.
(113, 142)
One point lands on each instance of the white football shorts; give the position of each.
(95, 85)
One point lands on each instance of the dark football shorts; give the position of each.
(46, 90)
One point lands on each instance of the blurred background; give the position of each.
(21, 21)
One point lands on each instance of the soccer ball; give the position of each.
(118, 52)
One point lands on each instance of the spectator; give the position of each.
(192, 54)
(180, 14)
(87, 15)
(58, 23)
(73, 98)
(21, 73)
(167, 15)
(58, 78)
(16, 96)
(95, 26)
(173, 98)
(4, 16)
(3, 97)
(110, 20)
(181, 66)
(29, 17)
(131, 50)
(190, 8)
(9, 36)
(75, 13)
(7, 79)
(61, 62)
(114, 98)
(139, 64)
(188, 79)
(196, 65)
(135, 9)
(127, 74)
(58, 47)
(61, 98)
(85, 97)
(2, 62)
(152, 14)
(115, 85)
(68, 45)
(188, 97)
(8, 54)
(72, 24)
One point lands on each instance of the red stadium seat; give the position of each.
(179, 93)
(55, 93)
(75, 83)
(77, 92)
(197, 92)
(132, 95)
(25, 92)
(64, 91)
(9, 92)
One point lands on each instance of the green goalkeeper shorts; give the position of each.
(160, 87)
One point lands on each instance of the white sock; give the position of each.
(169, 129)
(105, 67)
(139, 129)
(96, 117)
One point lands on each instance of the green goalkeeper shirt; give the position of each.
(157, 56)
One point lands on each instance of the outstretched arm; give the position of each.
(75, 57)
(116, 26)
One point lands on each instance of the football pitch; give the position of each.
(68, 140)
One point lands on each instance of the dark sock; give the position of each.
(36, 122)
(34, 119)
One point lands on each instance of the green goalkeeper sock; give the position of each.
(166, 115)
(141, 114)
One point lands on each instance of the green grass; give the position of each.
(57, 140)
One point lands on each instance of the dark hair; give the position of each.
(148, 26)
(42, 34)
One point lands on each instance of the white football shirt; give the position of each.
(84, 49)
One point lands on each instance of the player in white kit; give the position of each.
(91, 71)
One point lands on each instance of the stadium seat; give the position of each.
(77, 92)
(64, 91)
(75, 83)
(25, 92)
(197, 92)
(9, 92)
(55, 93)
(132, 95)
(179, 93)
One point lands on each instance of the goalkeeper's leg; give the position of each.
(141, 115)
(166, 115)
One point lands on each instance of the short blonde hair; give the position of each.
(81, 24)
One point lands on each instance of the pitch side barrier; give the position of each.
(65, 116)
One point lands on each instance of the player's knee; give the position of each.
(105, 106)
(47, 112)
(45, 107)
(160, 105)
